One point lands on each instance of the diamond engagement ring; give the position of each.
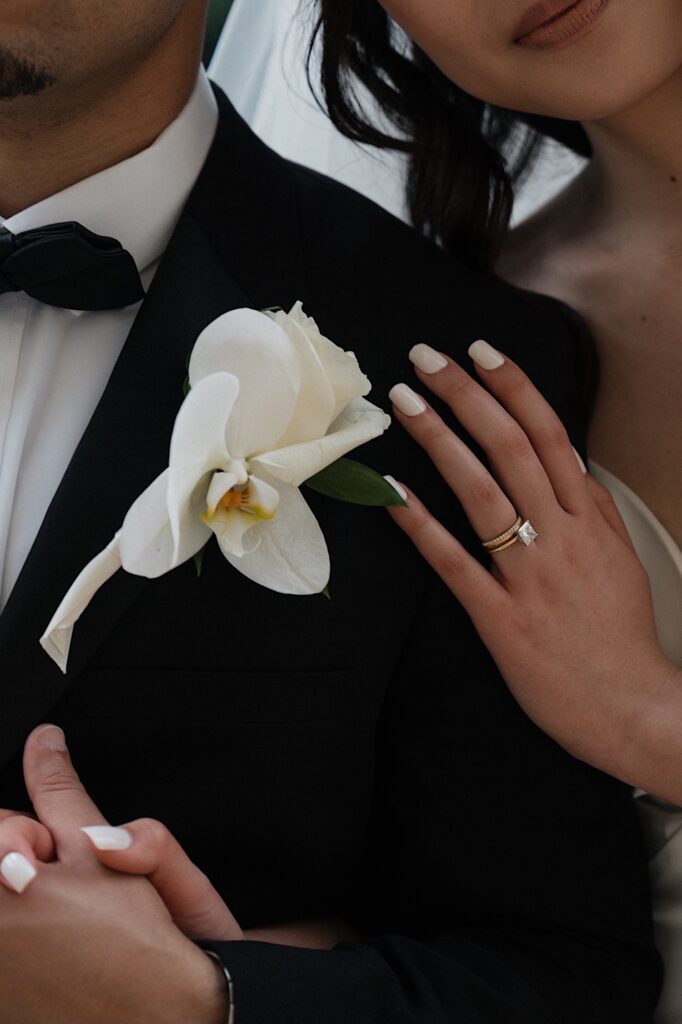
(518, 531)
(526, 534)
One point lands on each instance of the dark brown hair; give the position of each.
(464, 156)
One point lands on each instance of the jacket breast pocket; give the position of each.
(181, 695)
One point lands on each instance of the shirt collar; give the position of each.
(139, 200)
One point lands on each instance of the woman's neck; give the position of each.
(634, 181)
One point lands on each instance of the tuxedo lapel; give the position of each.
(239, 225)
(123, 449)
(246, 203)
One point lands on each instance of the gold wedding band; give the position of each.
(501, 547)
(519, 531)
(504, 539)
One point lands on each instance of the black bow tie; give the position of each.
(68, 266)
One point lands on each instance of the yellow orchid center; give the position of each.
(241, 498)
(236, 498)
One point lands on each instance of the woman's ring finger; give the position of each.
(518, 531)
(487, 507)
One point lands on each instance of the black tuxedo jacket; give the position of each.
(359, 756)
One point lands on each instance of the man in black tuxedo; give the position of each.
(357, 757)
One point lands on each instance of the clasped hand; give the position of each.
(83, 944)
(100, 935)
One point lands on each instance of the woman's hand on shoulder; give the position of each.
(567, 618)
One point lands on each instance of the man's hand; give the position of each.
(85, 945)
(147, 848)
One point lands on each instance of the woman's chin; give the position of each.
(633, 51)
(593, 94)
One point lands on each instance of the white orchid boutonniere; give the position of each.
(272, 404)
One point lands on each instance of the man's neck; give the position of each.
(57, 140)
(635, 177)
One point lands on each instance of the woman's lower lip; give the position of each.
(575, 22)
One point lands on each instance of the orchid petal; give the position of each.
(56, 640)
(230, 527)
(147, 545)
(263, 498)
(358, 423)
(291, 556)
(220, 484)
(198, 445)
(259, 353)
(341, 368)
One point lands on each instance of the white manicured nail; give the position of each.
(427, 359)
(396, 487)
(17, 871)
(406, 400)
(485, 355)
(580, 461)
(106, 837)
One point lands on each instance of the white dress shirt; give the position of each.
(55, 363)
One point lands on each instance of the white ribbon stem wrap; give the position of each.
(56, 640)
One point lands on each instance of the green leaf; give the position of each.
(325, 593)
(199, 561)
(348, 480)
(186, 387)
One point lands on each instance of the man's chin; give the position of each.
(20, 76)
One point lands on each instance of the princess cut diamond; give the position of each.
(526, 533)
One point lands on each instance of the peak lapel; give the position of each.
(123, 449)
(247, 203)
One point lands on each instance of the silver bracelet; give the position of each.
(229, 985)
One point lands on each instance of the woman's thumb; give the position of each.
(146, 847)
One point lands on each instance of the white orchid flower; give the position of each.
(272, 403)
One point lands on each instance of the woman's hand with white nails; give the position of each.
(24, 842)
(569, 618)
(146, 847)
(108, 933)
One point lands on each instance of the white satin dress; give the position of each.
(662, 822)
